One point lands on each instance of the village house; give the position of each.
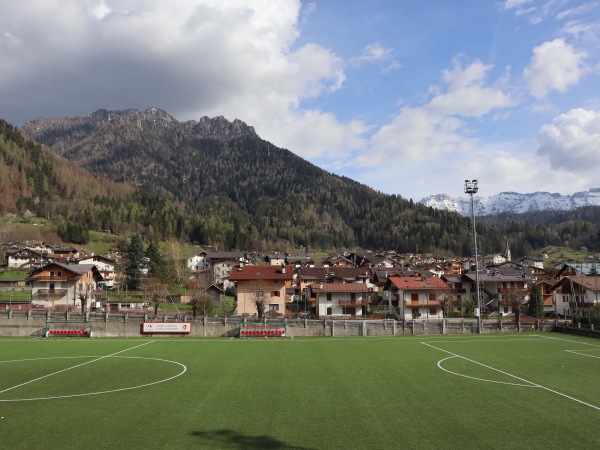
(349, 300)
(498, 291)
(417, 296)
(198, 262)
(58, 284)
(105, 266)
(221, 264)
(545, 286)
(576, 295)
(262, 285)
(26, 258)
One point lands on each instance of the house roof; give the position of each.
(226, 255)
(324, 273)
(98, 258)
(591, 283)
(339, 287)
(497, 277)
(253, 272)
(76, 269)
(418, 283)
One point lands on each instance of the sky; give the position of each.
(410, 97)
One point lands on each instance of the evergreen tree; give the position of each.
(535, 306)
(135, 262)
(155, 261)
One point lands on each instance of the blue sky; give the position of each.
(409, 97)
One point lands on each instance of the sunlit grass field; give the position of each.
(476, 391)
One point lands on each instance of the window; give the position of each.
(433, 311)
(273, 307)
(275, 293)
(329, 296)
(506, 310)
(415, 312)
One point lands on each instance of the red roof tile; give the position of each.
(418, 283)
(250, 272)
(339, 287)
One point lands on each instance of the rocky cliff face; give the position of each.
(514, 202)
(125, 145)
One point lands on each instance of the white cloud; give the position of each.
(583, 31)
(437, 130)
(554, 66)
(514, 4)
(538, 11)
(375, 53)
(571, 143)
(577, 10)
(190, 57)
(467, 94)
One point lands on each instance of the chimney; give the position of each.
(283, 268)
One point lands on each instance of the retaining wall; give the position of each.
(33, 323)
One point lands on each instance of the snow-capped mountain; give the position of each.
(514, 202)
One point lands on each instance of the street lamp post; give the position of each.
(471, 189)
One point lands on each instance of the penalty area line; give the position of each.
(73, 367)
(514, 376)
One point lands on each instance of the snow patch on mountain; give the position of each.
(514, 202)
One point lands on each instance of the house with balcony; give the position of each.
(418, 297)
(26, 258)
(57, 284)
(576, 295)
(348, 300)
(106, 267)
(267, 285)
(221, 265)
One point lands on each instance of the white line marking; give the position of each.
(514, 376)
(582, 353)
(439, 364)
(73, 367)
(101, 392)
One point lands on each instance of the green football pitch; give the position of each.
(487, 391)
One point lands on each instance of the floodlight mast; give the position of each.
(471, 189)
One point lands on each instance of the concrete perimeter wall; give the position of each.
(33, 323)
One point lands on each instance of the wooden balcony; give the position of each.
(52, 292)
(55, 278)
(422, 303)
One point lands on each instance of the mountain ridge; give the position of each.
(217, 182)
(513, 202)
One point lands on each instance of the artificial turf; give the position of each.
(470, 391)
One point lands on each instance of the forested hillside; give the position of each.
(34, 179)
(244, 191)
(217, 182)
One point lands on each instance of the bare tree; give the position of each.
(200, 300)
(175, 261)
(84, 294)
(259, 297)
(157, 290)
(517, 298)
(446, 301)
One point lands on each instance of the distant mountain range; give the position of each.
(514, 202)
